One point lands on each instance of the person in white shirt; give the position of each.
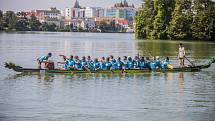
(181, 55)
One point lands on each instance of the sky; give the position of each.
(24, 5)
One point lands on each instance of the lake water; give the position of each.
(178, 96)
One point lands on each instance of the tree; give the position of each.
(48, 27)
(144, 20)
(22, 25)
(180, 25)
(52, 27)
(1, 21)
(113, 25)
(161, 22)
(34, 24)
(11, 20)
(204, 18)
(1, 14)
(80, 29)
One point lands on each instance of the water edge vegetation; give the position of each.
(176, 19)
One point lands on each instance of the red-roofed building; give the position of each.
(123, 23)
(50, 16)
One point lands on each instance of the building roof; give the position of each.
(123, 4)
(77, 4)
(108, 19)
(123, 22)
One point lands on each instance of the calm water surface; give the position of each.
(102, 97)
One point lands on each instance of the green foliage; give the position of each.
(160, 24)
(144, 20)
(34, 24)
(1, 21)
(1, 13)
(22, 25)
(176, 19)
(48, 27)
(204, 18)
(11, 20)
(80, 29)
(180, 25)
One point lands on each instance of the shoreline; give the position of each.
(11, 31)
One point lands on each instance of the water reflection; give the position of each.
(45, 77)
(170, 48)
(180, 82)
(99, 76)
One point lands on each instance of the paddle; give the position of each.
(189, 61)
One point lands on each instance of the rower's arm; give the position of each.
(62, 56)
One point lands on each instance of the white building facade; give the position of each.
(92, 12)
(49, 16)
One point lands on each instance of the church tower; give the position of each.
(77, 4)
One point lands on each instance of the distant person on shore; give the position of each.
(181, 55)
(43, 59)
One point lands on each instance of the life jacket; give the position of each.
(164, 64)
(83, 63)
(77, 64)
(102, 66)
(130, 64)
(114, 64)
(69, 63)
(152, 65)
(42, 58)
(148, 64)
(90, 64)
(96, 65)
(142, 64)
(125, 63)
(119, 64)
(108, 65)
(158, 64)
(136, 63)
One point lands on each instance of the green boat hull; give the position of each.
(59, 71)
(132, 71)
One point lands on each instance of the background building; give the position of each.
(92, 12)
(50, 16)
(122, 10)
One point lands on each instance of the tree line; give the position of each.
(10, 21)
(176, 19)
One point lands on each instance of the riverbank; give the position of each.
(12, 31)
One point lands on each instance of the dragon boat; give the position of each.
(16, 68)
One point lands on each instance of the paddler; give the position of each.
(157, 62)
(64, 58)
(89, 63)
(130, 63)
(142, 62)
(108, 64)
(114, 64)
(102, 63)
(166, 64)
(70, 63)
(136, 61)
(119, 63)
(83, 63)
(125, 61)
(181, 55)
(43, 59)
(96, 64)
